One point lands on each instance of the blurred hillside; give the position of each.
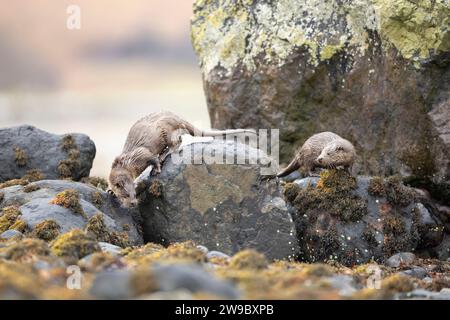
(128, 59)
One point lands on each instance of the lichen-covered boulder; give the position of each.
(47, 208)
(356, 220)
(374, 71)
(26, 148)
(225, 207)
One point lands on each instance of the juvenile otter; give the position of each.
(322, 150)
(149, 142)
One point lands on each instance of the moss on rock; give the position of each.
(74, 244)
(97, 182)
(46, 230)
(13, 182)
(333, 194)
(26, 250)
(8, 218)
(20, 157)
(248, 259)
(31, 188)
(69, 199)
(34, 175)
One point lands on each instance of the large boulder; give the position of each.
(373, 71)
(225, 207)
(356, 220)
(26, 148)
(36, 203)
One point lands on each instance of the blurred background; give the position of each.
(128, 59)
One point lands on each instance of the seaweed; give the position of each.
(34, 175)
(68, 167)
(74, 244)
(13, 182)
(248, 259)
(97, 228)
(46, 230)
(97, 182)
(31, 188)
(20, 157)
(97, 199)
(8, 218)
(69, 199)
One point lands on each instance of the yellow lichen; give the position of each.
(46, 230)
(20, 157)
(69, 199)
(74, 244)
(248, 259)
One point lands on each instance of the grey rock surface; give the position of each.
(26, 148)
(225, 207)
(36, 207)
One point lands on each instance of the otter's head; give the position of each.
(337, 153)
(121, 184)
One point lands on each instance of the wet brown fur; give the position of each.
(322, 150)
(149, 142)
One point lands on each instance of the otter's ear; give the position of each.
(340, 148)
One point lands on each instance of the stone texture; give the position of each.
(26, 148)
(225, 207)
(35, 207)
(385, 225)
(374, 71)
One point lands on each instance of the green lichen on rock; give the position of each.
(228, 33)
(74, 244)
(20, 157)
(69, 199)
(46, 230)
(416, 28)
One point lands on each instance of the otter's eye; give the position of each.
(328, 154)
(117, 185)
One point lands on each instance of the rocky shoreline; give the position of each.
(219, 231)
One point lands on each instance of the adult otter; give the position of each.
(149, 142)
(322, 150)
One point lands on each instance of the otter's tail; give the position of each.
(294, 165)
(214, 133)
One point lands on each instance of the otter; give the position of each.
(149, 142)
(322, 150)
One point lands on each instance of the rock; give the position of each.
(354, 220)
(110, 248)
(217, 254)
(416, 272)
(425, 294)
(203, 249)
(26, 148)
(192, 278)
(401, 259)
(122, 284)
(344, 283)
(36, 207)
(312, 66)
(222, 206)
(9, 234)
(112, 285)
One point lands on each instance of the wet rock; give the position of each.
(226, 207)
(311, 66)
(9, 234)
(425, 294)
(26, 148)
(416, 272)
(217, 254)
(203, 249)
(192, 278)
(354, 220)
(401, 259)
(112, 285)
(110, 248)
(36, 207)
